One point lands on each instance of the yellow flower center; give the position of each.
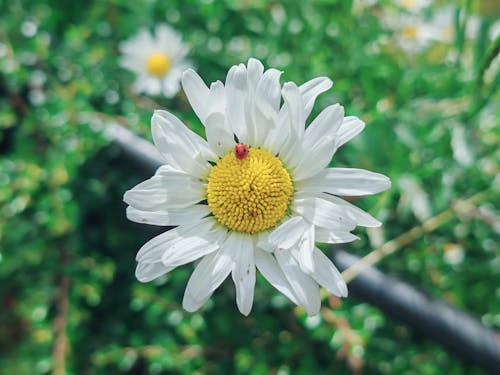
(158, 64)
(448, 32)
(410, 32)
(408, 3)
(249, 195)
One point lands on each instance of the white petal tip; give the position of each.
(191, 304)
(189, 308)
(253, 60)
(126, 196)
(342, 288)
(289, 86)
(187, 72)
(328, 82)
(313, 312)
(159, 113)
(189, 76)
(143, 273)
(386, 184)
(245, 310)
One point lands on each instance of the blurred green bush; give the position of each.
(69, 298)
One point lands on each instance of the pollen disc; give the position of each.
(251, 194)
(158, 64)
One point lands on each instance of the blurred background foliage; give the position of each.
(69, 299)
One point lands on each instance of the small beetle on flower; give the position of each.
(241, 151)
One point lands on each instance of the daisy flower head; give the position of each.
(256, 194)
(411, 32)
(158, 60)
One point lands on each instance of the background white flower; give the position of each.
(414, 6)
(443, 24)
(411, 32)
(265, 209)
(158, 60)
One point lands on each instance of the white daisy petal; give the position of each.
(148, 195)
(146, 272)
(243, 271)
(304, 288)
(315, 159)
(196, 92)
(192, 245)
(216, 101)
(266, 105)
(190, 304)
(287, 234)
(130, 46)
(292, 115)
(304, 250)
(181, 245)
(345, 181)
(168, 122)
(361, 217)
(236, 86)
(277, 133)
(262, 241)
(319, 141)
(133, 64)
(325, 235)
(269, 268)
(148, 85)
(351, 127)
(310, 91)
(255, 69)
(292, 98)
(219, 139)
(323, 213)
(180, 147)
(171, 83)
(168, 170)
(152, 251)
(327, 275)
(208, 275)
(161, 192)
(268, 93)
(170, 41)
(325, 125)
(168, 217)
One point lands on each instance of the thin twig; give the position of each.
(409, 236)
(61, 342)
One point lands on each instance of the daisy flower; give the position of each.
(256, 194)
(410, 32)
(157, 60)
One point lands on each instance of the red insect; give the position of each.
(241, 151)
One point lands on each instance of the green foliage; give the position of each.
(432, 126)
